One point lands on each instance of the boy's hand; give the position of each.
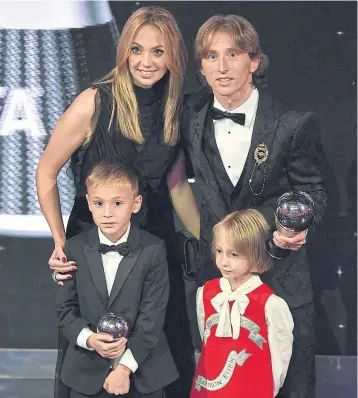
(117, 382)
(106, 346)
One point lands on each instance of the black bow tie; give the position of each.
(217, 114)
(123, 248)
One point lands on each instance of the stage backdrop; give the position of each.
(48, 55)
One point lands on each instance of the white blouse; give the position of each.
(278, 319)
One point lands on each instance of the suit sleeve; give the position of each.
(304, 163)
(152, 308)
(68, 312)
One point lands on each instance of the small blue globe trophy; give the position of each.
(116, 326)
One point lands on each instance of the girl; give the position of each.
(245, 328)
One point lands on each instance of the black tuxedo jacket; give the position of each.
(293, 163)
(139, 294)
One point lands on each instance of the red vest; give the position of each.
(231, 368)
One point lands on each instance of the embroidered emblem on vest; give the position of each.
(225, 375)
(245, 323)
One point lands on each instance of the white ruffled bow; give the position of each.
(229, 322)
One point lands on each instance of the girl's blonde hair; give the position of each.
(125, 106)
(247, 232)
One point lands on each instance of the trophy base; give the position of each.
(275, 251)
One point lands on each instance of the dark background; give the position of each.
(311, 68)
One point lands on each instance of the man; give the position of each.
(246, 151)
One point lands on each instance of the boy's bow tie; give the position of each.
(217, 114)
(123, 248)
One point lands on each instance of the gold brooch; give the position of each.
(261, 153)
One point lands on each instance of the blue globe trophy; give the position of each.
(116, 326)
(294, 214)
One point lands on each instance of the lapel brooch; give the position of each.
(260, 155)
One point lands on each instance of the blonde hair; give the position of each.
(113, 172)
(241, 30)
(247, 231)
(125, 106)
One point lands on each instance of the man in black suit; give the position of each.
(121, 269)
(246, 150)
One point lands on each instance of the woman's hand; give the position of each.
(58, 263)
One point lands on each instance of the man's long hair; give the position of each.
(244, 35)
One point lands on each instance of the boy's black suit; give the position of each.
(139, 294)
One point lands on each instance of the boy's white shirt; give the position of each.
(110, 261)
(278, 319)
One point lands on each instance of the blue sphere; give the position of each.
(114, 325)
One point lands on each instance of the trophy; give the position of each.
(294, 214)
(116, 326)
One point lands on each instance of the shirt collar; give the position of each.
(249, 107)
(247, 287)
(106, 241)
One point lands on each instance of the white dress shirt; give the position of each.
(278, 319)
(232, 139)
(110, 262)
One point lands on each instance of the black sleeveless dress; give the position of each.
(153, 160)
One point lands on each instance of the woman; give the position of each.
(132, 113)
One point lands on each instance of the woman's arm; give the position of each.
(183, 198)
(71, 130)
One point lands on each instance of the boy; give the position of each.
(129, 279)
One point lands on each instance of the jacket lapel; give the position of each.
(95, 265)
(263, 132)
(211, 188)
(126, 265)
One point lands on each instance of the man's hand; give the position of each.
(117, 382)
(293, 243)
(106, 346)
